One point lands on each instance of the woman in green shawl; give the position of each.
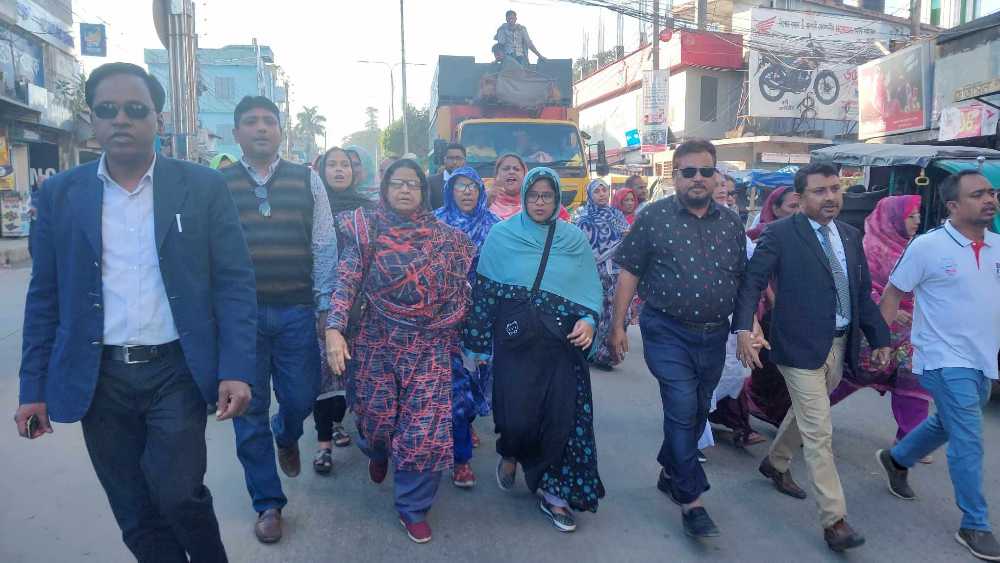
(365, 173)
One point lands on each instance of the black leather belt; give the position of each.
(140, 354)
(840, 332)
(701, 327)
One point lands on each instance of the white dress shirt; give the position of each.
(136, 308)
(838, 251)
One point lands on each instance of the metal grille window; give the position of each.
(709, 109)
(225, 87)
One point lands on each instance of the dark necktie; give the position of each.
(839, 276)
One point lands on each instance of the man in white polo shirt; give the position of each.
(954, 273)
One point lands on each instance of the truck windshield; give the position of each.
(539, 144)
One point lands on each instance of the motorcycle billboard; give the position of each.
(804, 64)
(895, 93)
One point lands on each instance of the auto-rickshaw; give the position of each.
(905, 169)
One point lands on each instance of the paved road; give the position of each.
(53, 509)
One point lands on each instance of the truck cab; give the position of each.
(492, 110)
(540, 142)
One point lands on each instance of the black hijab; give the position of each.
(344, 200)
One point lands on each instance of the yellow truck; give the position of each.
(471, 108)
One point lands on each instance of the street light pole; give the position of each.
(402, 46)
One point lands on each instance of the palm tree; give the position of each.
(310, 124)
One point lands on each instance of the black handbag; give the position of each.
(360, 305)
(518, 322)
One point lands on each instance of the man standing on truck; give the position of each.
(515, 41)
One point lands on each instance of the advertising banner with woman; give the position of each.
(894, 93)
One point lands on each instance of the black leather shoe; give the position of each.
(698, 524)
(841, 537)
(665, 486)
(268, 526)
(782, 481)
(896, 478)
(289, 460)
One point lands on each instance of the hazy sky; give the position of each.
(318, 43)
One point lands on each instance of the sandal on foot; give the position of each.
(323, 461)
(341, 438)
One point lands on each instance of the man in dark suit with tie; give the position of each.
(141, 310)
(822, 305)
(454, 158)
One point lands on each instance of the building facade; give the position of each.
(225, 76)
(38, 128)
(768, 80)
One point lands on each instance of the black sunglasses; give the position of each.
(109, 110)
(691, 171)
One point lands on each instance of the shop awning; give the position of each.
(18, 110)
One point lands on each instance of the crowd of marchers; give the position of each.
(160, 287)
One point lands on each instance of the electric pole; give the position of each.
(915, 9)
(656, 34)
(402, 46)
(288, 123)
(174, 23)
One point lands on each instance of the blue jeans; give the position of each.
(959, 396)
(288, 357)
(687, 365)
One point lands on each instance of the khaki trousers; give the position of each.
(809, 425)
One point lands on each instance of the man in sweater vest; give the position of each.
(289, 229)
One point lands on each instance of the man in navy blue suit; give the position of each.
(141, 311)
(823, 307)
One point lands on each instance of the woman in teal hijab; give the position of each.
(365, 180)
(534, 314)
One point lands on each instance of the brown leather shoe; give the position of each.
(782, 481)
(841, 536)
(289, 460)
(268, 526)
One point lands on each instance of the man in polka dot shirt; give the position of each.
(686, 255)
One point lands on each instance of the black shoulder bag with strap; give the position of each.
(517, 322)
(360, 305)
(545, 258)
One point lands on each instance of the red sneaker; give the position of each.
(419, 532)
(475, 438)
(377, 470)
(463, 477)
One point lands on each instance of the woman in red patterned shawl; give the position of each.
(412, 271)
(888, 230)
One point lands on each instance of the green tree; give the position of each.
(370, 137)
(371, 124)
(72, 94)
(418, 125)
(310, 124)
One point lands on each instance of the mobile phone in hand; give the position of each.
(31, 426)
